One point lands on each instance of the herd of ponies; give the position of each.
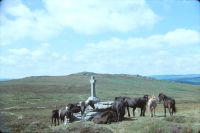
(116, 111)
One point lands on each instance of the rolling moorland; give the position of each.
(26, 104)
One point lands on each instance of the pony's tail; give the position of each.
(174, 107)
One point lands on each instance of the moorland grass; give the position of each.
(26, 104)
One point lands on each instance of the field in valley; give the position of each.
(26, 104)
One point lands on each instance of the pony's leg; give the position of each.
(144, 110)
(141, 112)
(165, 111)
(170, 111)
(128, 111)
(65, 120)
(82, 115)
(55, 121)
(169, 108)
(154, 111)
(51, 121)
(58, 121)
(118, 116)
(151, 112)
(134, 111)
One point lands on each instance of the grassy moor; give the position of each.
(26, 104)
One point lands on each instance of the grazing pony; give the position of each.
(66, 114)
(63, 112)
(119, 106)
(74, 108)
(168, 102)
(151, 105)
(137, 103)
(54, 117)
(84, 105)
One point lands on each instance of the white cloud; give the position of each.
(87, 17)
(23, 57)
(19, 22)
(91, 16)
(156, 54)
(183, 37)
(136, 55)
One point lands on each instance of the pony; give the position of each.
(168, 102)
(105, 117)
(119, 106)
(54, 117)
(74, 108)
(63, 112)
(137, 103)
(151, 105)
(66, 114)
(84, 105)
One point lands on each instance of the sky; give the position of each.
(60, 37)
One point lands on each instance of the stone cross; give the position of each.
(92, 82)
(93, 92)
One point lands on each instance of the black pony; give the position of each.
(168, 102)
(119, 106)
(55, 117)
(137, 103)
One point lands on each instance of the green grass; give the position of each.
(20, 99)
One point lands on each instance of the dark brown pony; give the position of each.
(68, 111)
(168, 102)
(54, 117)
(137, 103)
(74, 108)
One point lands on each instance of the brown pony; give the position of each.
(106, 117)
(168, 102)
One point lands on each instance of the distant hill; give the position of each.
(108, 85)
(5, 79)
(193, 79)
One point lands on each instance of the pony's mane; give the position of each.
(152, 97)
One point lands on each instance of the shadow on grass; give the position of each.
(129, 119)
(159, 116)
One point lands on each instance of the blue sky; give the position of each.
(60, 37)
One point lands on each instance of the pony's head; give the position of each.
(161, 97)
(90, 102)
(153, 97)
(146, 97)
